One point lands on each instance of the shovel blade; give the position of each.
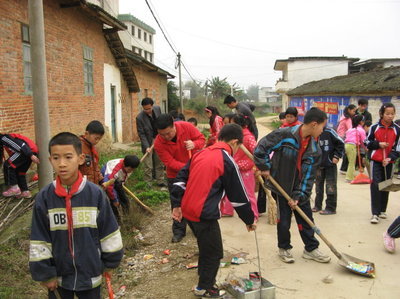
(357, 265)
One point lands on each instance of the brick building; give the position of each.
(89, 77)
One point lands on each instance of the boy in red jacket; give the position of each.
(196, 195)
(175, 143)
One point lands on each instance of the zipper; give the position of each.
(73, 247)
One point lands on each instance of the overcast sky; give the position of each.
(241, 40)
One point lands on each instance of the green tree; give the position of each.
(219, 88)
(173, 99)
(252, 92)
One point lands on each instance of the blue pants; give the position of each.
(379, 199)
(68, 294)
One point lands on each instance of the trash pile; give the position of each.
(241, 284)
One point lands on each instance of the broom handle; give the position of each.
(137, 200)
(296, 208)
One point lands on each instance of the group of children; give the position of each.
(75, 237)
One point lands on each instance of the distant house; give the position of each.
(299, 70)
(268, 96)
(373, 64)
(332, 95)
(138, 41)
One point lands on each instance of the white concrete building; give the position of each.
(110, 6)
(139, 37)
(267, 95)
(299, 70)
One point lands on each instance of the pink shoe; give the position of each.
(13, 191)
(25, 194)
(389, 243)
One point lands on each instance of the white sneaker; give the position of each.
(374, 219)
(316, 255)
(383, 215)
(286, 256)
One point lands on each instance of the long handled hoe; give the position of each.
(349, 262)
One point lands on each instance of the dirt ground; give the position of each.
(349, 231)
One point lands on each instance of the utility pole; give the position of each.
(206, 88)
(39, 88)
(180, 81)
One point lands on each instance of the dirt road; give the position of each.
(349, 231)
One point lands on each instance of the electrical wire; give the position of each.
(165, 36)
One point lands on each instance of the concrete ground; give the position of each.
(349, 231)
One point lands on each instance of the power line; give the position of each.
(169, 43)
(148, 5)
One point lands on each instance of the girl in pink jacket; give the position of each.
(354, 140)
(245, 165)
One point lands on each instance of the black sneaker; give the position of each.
(210, 293)
(176, 239)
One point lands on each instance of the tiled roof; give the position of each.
(136, 21)
(381, 81)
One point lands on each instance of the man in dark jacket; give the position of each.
(362, 109)
(145, 125)
(245, 109)
(196, 195)
(293, 165)
(332, 147)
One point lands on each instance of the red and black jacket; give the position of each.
(16, 145)
(381, 133)
(203, 182)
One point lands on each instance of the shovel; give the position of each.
(351, 263)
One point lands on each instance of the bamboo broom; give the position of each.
(271, 204)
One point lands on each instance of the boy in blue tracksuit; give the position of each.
(75, 237)
(332, 147)
(293, 165)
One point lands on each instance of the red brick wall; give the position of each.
(67, 30)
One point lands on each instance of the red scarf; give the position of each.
(303, 146)
(67, 194)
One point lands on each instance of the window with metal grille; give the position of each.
(26, 57)
(88, 70)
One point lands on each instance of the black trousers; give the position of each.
(284, 221)
(379, 199)
(67, 294)
(261, 199)
(178, 228)
(209, 241)
(345, 163)
(15, 172)
(328, 175)
(394, 228)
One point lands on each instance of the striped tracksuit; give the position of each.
(394, 228)
(20, 150)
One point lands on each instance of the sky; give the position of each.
(241, 40)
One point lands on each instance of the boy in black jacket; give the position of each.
(75, 237)
(332, 147)
(293, 165)
(196, 194)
